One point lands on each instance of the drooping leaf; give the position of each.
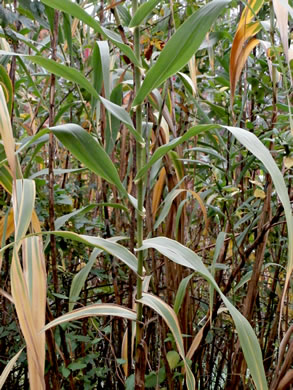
(106, 245)
(64, 71)
(255, 146)
(57, 171)
(103, 309)
(9, 366)
(88, 150)
(248, 340)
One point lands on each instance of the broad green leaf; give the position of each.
(245, 279)
(255, 146)
(124, 13)
(75, 76)
(103, 309)
(170, 317)
(8, 368)
(75, 10)
(67, 32)
(188, 83)
(142, 12)
(77, 366)
(108, 245)
(97, 74)
(164, 149)
(103, 48)
(181, 47)
(87, 150)
(248, 340)
(181, 293)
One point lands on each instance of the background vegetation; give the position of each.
(155, 141)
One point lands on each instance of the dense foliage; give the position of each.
(155, 141)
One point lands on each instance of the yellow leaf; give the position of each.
(6, 133)
(158, 189)
(288, 162)
(256, 182)
(258, 193)
(243, 43)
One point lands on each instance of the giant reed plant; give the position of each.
(149, 94)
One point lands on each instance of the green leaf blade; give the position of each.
(87, 150)
(248, 340)
(66, 72)
(180, 48)
(95, 310)
(142, 12)
(75, 10)
(164, 149)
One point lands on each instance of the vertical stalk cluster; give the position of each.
(140, 196)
